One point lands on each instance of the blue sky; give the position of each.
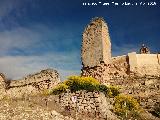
(40, 34)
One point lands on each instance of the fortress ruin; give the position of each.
(29, 85)
(136, 74)
(98, 63)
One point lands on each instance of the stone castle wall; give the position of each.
(147, 59)
(30, 85)
(94, 105)
(124, 66)
(144, 64)
(97, 61)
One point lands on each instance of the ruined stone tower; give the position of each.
(96, 45)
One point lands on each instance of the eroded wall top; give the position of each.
(48, 74)
(96, 46)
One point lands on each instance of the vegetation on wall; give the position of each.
(61, 88)
(76, 83)
(126, 107)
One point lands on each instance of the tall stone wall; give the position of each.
(106, 43)
(96, 53)
(96, 46)
(98, 63)
(30, 85)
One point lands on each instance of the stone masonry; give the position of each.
(98, 63)
(136, 74)
(93, 105)
(96, 46)
(30, 85)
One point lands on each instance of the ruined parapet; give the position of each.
(48, 78)
(31, 85)
(132, 61)
(96, 46)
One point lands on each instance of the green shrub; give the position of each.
(103, 88)
(127, 107)
(113, 91)
(61, 88)
(77, 83)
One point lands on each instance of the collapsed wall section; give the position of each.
(119, 68)
(49, 75)
(30, 85)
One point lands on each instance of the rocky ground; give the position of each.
(146, 90)
(27, 110)
(35, 108)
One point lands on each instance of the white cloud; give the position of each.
(33, 39)
(22, 38)
(37, 36)
(16, 67)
